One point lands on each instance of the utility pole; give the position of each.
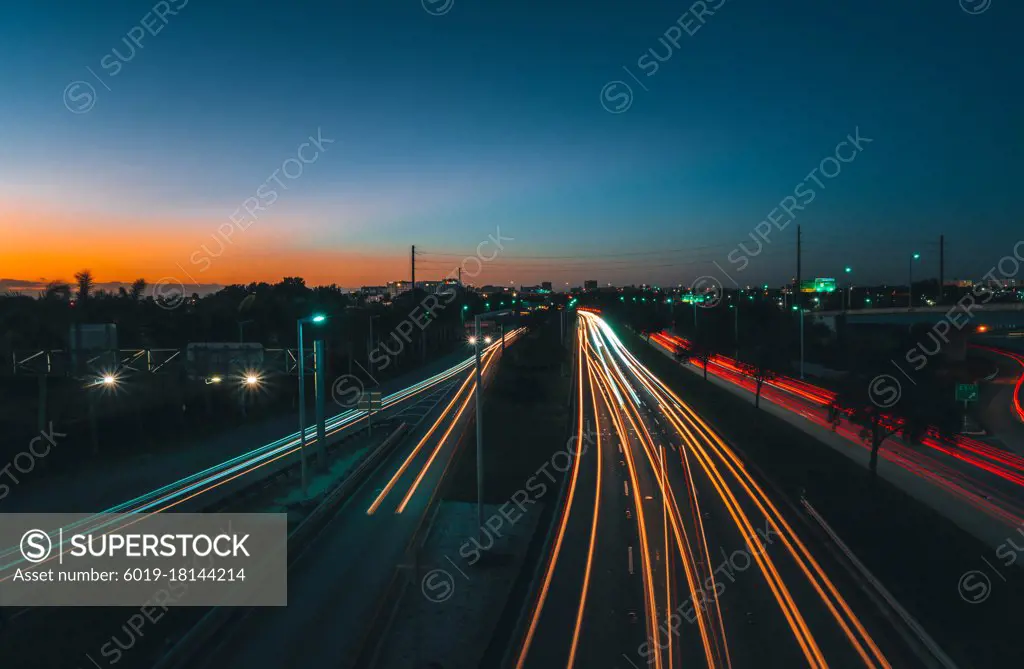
(302, 409)
(797, 297)
(800, 315)
(460, 276)
(942, 266)
(412, 258)
(478, 343)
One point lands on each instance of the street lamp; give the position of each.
(910, 286)
(848, 295)
(108, 380)
(317, 319)
(736, 322)
(480, 414)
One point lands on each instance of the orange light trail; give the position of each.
(736, 468)
(648, 572)
(593, 528)
(415, 451)
(689, 426)
(444, 437)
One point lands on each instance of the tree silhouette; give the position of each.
(57, 290)
(137, 290)
(85, 282)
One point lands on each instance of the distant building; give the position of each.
(373, 293)
(590, 284)
(491, 290)
(546, 285)
(396, 288)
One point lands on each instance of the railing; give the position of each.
(70, 363)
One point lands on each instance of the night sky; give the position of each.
(454, 119)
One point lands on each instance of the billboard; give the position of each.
(819, 285)
(208, 358)
(93, 347)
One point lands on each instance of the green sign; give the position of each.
(819, 285)
(967, 392)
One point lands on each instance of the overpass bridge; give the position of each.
(967, 318)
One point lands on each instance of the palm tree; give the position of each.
(85, 284)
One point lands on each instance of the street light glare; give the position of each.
(472, 340)
(252, 380)
(319, 318)
(215, 379)
(109, 380)
(487, 340)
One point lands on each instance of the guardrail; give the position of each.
(921, 636)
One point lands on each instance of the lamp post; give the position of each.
(910, 282)
(736, 324)
(241, 330)
(317, 319)
(478, 343)
(800, 314)
(848, 295)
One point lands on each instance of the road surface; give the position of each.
(671, 554)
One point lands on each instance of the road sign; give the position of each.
(370, 402)
(967, 392)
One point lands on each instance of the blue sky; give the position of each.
(491, 114)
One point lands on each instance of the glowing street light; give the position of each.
(847, 295)
(252, 380)
(215, 379)
(109, 380)
(487, 340)
(910, 282)
(472, 341)
(316, 319)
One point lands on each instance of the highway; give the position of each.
(337, 583)
(986, 478)
(1000, 405)
(210, 485)
(669, 553)
(422, 403)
